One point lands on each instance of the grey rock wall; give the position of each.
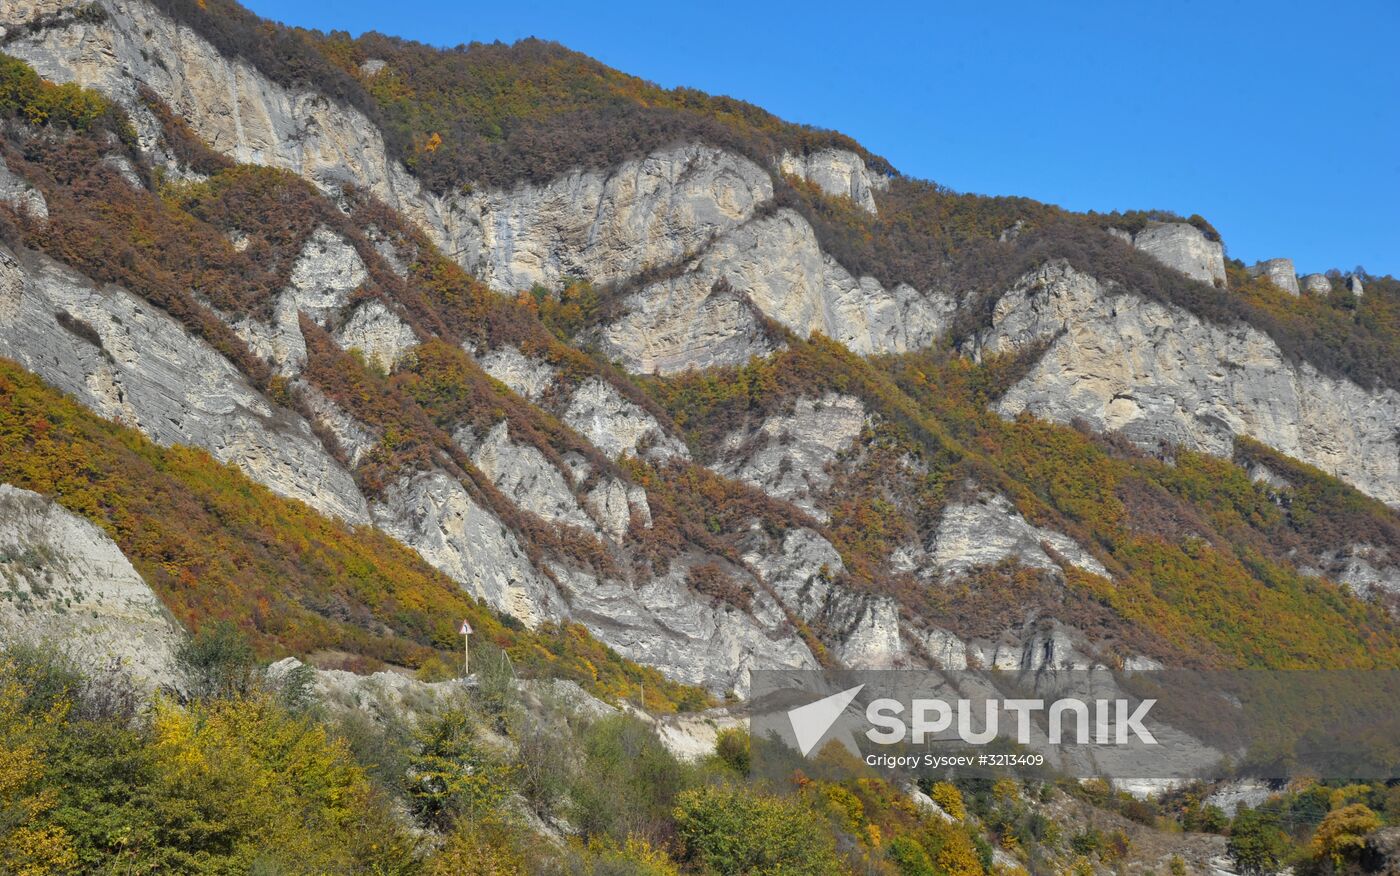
(788, 456)
(433, 514)
(778, 271)
(1181, 246)
(838, 172)
(1280, 272)
(1317, 284)
(65, 584)
(150, 374)
(1157, 373)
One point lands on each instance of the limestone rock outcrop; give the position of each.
(385, 697)
(529, 378)
(324, 275)
(606, 226)
(661, 621)
(864, 629)
(706, 270)
(1280, 272)
(1181, 246)
(66, 585)
(618, 426)
(378, 334)
(614, 503)
(433, 514)
(1030, 647)
(19, 194)
(1367, 569)
(1158, 373)
(989, 530)
(838, 172)
(788, 455)
(1317, 284)
(356, 439)
(711, 314)
(226, 101)
(523, 474)
(149, 373)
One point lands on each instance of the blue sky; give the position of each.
(1278, 121)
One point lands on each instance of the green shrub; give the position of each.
(731, 831)
(218, 661)
(732, 748)
(451, 773)
(627, 783)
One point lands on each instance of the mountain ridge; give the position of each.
(646, 415)
(406, 411)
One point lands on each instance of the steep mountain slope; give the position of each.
(726, 391)
(213, 545)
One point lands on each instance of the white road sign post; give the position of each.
(466, 633)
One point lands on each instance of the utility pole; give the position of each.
(466, 633)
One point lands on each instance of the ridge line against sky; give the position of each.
(1277, 121)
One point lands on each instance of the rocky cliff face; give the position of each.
(989, 530)
(527, 478)
(528, 378)
(594, 408)
(1317, 284)
(1157, 373)
(838, 172)
(432, 513)
(865, 629)
(322, 279)
(1280, 272)
(615, 504)
(65, 584)
(131, 362)
(227, 102)
(378, 334)
(669, 197)
(617, 426)
(663, 622)
(608, 226)
(19, 194)
(1036, 645)
(711, 314)
(790, 456)
(1183, 247)
(1368, 570)
(730, 266)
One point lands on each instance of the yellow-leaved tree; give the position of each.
(245, 782)
(28, 846)
(1342, 835)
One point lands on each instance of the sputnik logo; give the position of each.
(811, 722)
